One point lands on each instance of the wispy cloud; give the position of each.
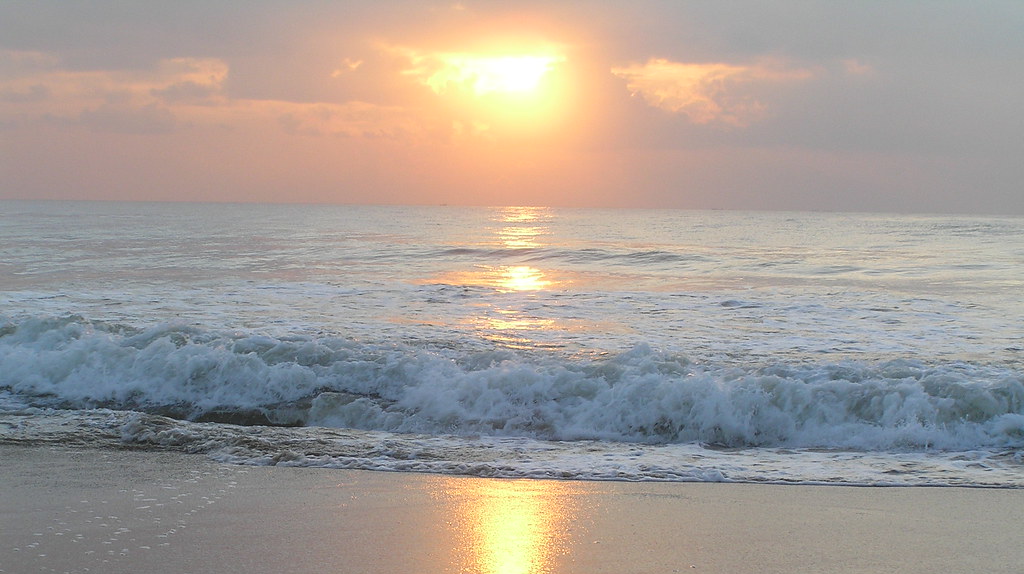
(174, 93)
(705, 93)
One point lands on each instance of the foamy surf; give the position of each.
(851, 349)
(508, 457)
(642, 395)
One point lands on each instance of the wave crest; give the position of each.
(642, 395)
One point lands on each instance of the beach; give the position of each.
(92, 510)
(511, 288)
(200, 388)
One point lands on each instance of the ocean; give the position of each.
(806, 348)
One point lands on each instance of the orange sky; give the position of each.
(572, 103)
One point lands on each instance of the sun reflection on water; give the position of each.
(523, 278)
(509, 526)
(517, 229)
(522, 227)
(516, 236)
(513, 278)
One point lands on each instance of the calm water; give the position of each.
(611, 344)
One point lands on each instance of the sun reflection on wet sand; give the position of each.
(509, 526)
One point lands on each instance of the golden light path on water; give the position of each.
(509, 526)
(519, 228)
(515, 229)
(523, 278)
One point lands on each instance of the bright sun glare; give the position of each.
(496, 94)
(491, 74)
(507, 74)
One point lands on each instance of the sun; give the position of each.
(502, 94)
(482, 75)
(508, 74)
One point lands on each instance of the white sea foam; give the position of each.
(515, 341)
(642, 395)
(509, 457)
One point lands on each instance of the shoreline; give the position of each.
(83, 510)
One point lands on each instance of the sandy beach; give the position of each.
(64, 510)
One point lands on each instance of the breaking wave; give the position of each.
(642, 395)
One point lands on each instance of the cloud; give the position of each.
(128, 119)
(20, 62)
(187, 91)
(174, 92)
(351, 119)
(33, 87)
(192, 80)
(856, 67)
(480, 73)
(20, 73)
(32, 93)
(349, 65)
(705, 93)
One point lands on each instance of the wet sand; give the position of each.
(65, 510)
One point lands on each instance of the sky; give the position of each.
(887, 106)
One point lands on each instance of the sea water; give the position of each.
(521, 341)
